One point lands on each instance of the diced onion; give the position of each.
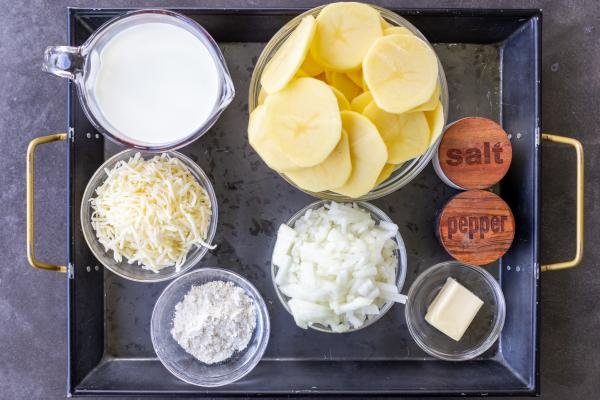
(152, 212)
(337, 266)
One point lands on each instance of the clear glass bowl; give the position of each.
(401, 267)
(483, 331)
(183, 365)
(404, 173)
(135, 272)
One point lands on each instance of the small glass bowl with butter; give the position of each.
(436, 303)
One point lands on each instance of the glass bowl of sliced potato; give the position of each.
(347, 101)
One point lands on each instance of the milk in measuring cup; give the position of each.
(153, 83)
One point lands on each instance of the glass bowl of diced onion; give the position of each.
(403, 173)
(396, 282)
(133, 271)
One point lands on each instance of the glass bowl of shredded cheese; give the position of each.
(149, 217)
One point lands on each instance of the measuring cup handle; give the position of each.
(63, 61)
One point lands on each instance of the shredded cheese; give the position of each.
(151, 212)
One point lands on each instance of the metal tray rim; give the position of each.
(532, 13)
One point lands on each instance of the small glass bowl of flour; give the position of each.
(210, 327)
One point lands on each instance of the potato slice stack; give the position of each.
(345, 100)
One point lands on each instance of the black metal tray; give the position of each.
(491, 58)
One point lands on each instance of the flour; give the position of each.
(213, 321)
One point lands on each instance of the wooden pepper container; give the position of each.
(476, 227)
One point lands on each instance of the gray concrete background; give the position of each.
(32, 303)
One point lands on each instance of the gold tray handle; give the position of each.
(30, 202)
(579, 218)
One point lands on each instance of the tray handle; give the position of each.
(30, 202)
(576, 144)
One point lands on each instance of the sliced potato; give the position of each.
(280, 70)
(367, 152)
(401, 72)
(331, 173)
(341, 82)
(304, 120)
(322, 77)
(344, 33)
(255, 121)
(413, 140)
(356, 77)
(386, 172)
(359, 103)
(384, 23)
(406, 136)
(311, 66)
(385, 122)
(392, 30)
(432, 103)
(328, 76)
(435, 119)
(266, 148)
(343, 103)
(262, 95)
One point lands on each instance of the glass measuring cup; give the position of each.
(82, 65)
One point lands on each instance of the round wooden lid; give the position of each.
(474, 153)
(476, 227)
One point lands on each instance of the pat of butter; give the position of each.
(453, 309)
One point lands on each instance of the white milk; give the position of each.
(154, 83)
